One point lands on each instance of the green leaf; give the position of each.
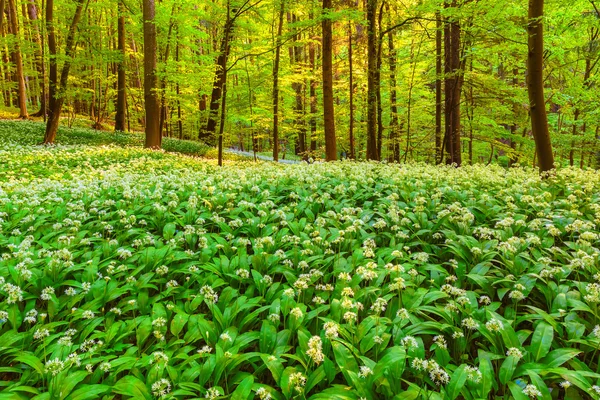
(457, 382)
(132, 386)
(178, 323)
(558, 357)
(541, 340)
(89, 392)
(68, 382)
(487, 376)
(243, 389)
(32, 361)
(517, 391)
(507, 369)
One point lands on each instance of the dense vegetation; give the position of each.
(130, 273)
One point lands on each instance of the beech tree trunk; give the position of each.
(58, 88)
(351, 94)
(371, 81)
(394, 128)
(276, 82)
(151, 100)
(20, 77)
(535, 86)
(296, 55)
(438, 88)
(32, 13)
(208, 133)
(121, 79)
(452, 88)
(313, 99)
(329, 117)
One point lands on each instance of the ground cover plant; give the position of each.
(127, 273)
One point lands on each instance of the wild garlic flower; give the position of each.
(532, 391)
(161, 388)
(365, 371)
(297, 380)
(494, 325)
(331, 330)
(470, 323)
(514, 352)
(54, 366)
(315, 350)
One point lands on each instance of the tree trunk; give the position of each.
(208, 133)
(351, 94)
(394, 131)
(177, 91)
(329, 116)
(438, 88)
(276, 82)
(296, 55)
(535, 86)
(452, 88)
(38, 39)
(121, 79)
(58, 88)
(12, 8)
(151, 100)
(313, 99)
(371, 81)
(378, 84)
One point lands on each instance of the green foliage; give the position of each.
(128, 273)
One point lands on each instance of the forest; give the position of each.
(336, 200)
(433, 81)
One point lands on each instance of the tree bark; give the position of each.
(313, 98)
(535, 86)
(394, 131)
(22, 93)
(438, 88)
(32, 13)
(452, 88)
(121, 79)
(58, 88)
(351, 94)
(208, 133)
(276, 82)
(371, 81)
(329, 116)
(151, 100)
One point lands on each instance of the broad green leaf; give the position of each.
(541, 341)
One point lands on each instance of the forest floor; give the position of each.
(129, 273)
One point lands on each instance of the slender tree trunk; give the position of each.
(452, 87)
(351, 93)
(535, 85)
(394, 134)
(177, 91)
(313, 99)
(371, 81)
(329, 116)
(39, 57)
(296, 55)
(378, 83)
(58, 88)
(22, 93)
(121, 78)
(151, 100)
(513, 128)
(276, 82)
(438, 88)
(220, 76)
